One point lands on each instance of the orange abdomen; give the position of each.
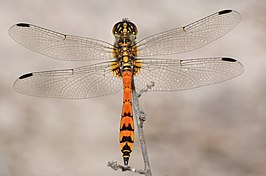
(127, 124)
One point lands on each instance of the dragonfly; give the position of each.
(127, 63)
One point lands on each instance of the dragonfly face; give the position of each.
(127, 60)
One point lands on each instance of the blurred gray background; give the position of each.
(218, 130)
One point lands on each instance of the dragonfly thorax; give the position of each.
(124, 47)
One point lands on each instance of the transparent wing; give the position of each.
(174, 75)
(83, 82)
(59, 46)
(190, 37)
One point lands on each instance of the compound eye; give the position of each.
(117, 29)
(133, 28)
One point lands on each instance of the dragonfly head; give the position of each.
(125, 27)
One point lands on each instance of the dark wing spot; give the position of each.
(228, 59)
(23, 25)
(181, 62)
(224, 12)
(25, 76)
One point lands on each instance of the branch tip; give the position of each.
(114, 165)
(146, 89)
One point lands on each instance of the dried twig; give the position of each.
(140, 117)
(149, 86)
(114, 165)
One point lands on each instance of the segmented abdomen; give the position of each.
(127, 124)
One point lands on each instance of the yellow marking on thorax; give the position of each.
(137, 66)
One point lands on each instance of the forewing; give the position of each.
(174, 75)
(83, 82)
(190, 37)
(59, 46)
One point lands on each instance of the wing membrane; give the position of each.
(174, 75)
(59, 46)
(190, 37)
(83, 82)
